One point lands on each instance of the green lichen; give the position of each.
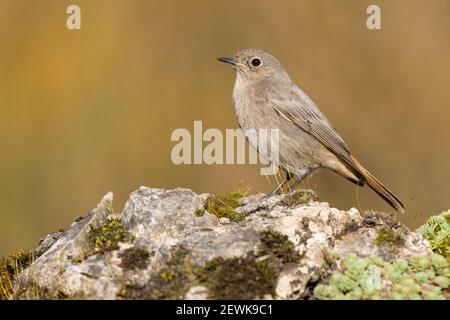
(389, 237)
(134, 258)
(422, 277)
(10, 267)
(223, 206)
(437, 231)
(107, 236)
(298, 198)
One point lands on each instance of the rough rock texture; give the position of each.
(169, 248)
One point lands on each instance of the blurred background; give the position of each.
(84, 112)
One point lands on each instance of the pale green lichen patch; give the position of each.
(107, 236)
(223, 206)
(298, 198)
(437, 232)
(423, 277)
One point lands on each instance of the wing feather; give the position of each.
(297, 108)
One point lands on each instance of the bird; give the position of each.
(264, 97)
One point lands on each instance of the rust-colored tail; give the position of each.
(379, 188)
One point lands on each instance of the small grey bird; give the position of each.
(264, 97)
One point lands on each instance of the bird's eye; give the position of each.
(256, 62)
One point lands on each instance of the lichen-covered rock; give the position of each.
(174, 244)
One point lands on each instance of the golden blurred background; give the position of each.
(87, 111)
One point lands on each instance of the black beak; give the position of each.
(227, 60)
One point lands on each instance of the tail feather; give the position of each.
(379, 188)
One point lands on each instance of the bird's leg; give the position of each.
(288, 178)
(300, 179)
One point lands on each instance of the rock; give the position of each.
(165, 245)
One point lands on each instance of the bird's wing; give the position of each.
(297, 108)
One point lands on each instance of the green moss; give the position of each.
(279, 245)
(424, 277)
(10, 267)
(177, 255)
(134, 258)
(389, 237)
(249, 277)
(437, 231)
(297, 198)
(199, 212)
(223, 206)
(168, 284)
(239, 278)
(106, 237)
(171, 282)
(252, 276)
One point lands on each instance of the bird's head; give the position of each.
(255, 65)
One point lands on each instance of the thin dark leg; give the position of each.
(300, 179)
(288, 178)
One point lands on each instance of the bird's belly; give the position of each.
(295, 150)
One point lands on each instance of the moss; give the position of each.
(199, 212)
(171, 282)
(134, 258)
(167, 284)
(106, 237)
(248, 277)
(239, 278)
(437, 231)
(10, 267)
(177, 255)
(372, 219)
(252, 276)
(424, 277)
(297, 198)
(223, 206)
(79, 257)
(389, 237)
(279, 245)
